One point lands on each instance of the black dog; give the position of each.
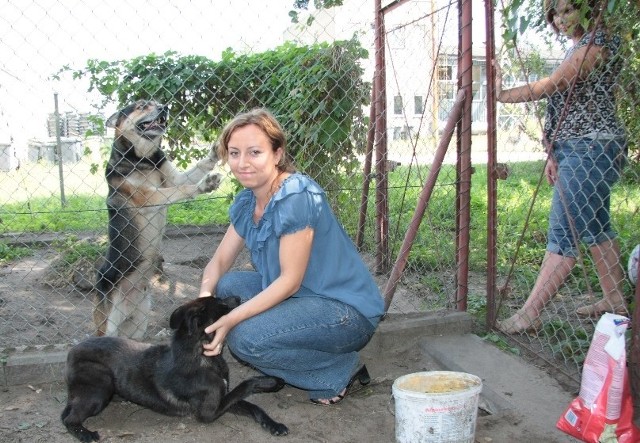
(172, 379)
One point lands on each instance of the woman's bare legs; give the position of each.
(606, 257)
(553, 273)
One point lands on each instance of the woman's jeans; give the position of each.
(310, 341)
(587, 169)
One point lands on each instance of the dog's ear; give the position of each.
(191, 317)
(112, 121)
(177, 317)
(186, 314)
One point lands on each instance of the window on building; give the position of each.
(397, 104)
(445, 72)
(418, 104)
(446, 82)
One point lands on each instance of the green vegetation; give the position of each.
(434, 248)
(88, 213)
(9, 253)
(315, 91)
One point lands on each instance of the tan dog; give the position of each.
(142, 182)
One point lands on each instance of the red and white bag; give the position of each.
(603, 410)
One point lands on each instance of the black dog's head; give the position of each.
(190, 319)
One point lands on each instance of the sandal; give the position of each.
(362, 376)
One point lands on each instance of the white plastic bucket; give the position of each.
(436, 407)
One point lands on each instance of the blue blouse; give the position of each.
(335, 268)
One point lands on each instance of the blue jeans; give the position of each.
(587, 169)
(311, 342)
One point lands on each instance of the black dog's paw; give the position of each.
(280, 383)
(277, 429)
(266, 383)
(83, 434)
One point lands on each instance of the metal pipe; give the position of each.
(364, 199)
(382, 202)
(492, 162)
(63, 200)
(423, 199)
(463, 195)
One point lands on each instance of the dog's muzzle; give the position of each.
(154, 124)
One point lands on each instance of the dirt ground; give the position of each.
(44, 302)
(30, 412)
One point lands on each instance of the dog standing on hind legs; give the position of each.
(142, 182)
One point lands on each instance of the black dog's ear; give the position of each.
(177, 317)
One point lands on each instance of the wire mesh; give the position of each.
(314, 68)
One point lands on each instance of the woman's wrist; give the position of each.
(204, 294)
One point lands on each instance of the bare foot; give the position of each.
(599, 308)
(519, 323)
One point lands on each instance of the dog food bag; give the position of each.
(603, 410)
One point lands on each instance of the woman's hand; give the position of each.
(551, 171)
(221, 328)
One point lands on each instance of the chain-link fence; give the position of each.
(313, 69)
(367, 114)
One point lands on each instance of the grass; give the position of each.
(434, 247)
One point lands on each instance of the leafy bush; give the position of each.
(316, 92)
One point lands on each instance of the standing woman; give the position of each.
(311, 303)
(587, 150)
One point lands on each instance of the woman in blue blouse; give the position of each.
(311, 303)
(587, 147)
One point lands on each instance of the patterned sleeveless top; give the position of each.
(592, 106)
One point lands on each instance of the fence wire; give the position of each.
(72, 65)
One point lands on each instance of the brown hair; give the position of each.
(593, 6)
(268, 124)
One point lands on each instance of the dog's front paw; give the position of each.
(267, 383)
(209, 182)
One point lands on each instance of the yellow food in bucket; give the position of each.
(436, 384)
